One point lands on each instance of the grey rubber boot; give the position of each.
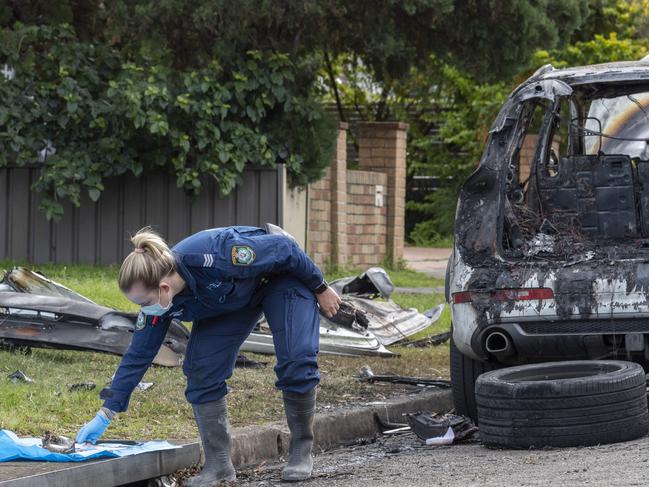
(300, 409)
(212, 421)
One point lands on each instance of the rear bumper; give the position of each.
(568, 339)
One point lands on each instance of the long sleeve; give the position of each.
(135, 362)
(249, 256)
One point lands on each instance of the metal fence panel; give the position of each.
(98, 233)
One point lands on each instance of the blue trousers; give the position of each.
(292, 313)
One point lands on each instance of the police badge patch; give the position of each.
(242, 255)
(141, 321)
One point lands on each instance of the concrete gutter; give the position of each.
(254, 444)
(251, 445)
(98, 473)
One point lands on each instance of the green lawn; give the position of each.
(162, 412)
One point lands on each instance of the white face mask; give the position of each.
(157, 309)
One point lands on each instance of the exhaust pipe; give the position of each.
(499, 344)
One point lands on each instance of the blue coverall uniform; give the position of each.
(232, 275)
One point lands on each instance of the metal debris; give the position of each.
(244, 362)
(369, 376)
(445, 427)
(584, 258)
(429, 341)
(434, 313)
(541, 243)
(57, 444)
(38, 312)
(164, 481)
(364, 325)
(19, 376)
(144, 386)
(82, 386)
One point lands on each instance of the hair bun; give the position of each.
(150, 261)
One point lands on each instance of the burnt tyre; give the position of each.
(464, 373)
(576, 403)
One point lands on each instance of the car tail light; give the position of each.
(520, 294)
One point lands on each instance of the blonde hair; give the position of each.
(150, 261)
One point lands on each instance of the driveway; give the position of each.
(431, 261)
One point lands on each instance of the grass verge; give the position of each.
(162, 412)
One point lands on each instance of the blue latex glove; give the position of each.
(93, 429)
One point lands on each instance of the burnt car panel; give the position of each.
(599, 192)
(38, 312)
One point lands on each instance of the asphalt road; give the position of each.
(404, 461)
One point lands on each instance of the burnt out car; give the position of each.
(551, 255)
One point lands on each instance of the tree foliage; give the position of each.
(88, 115)
(207, 86)
(489, 38)
(446, 141)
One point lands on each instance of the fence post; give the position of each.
(382, 148)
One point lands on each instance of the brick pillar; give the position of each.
(327, 212)
(338, 174)
(319, 220)
(382, 148)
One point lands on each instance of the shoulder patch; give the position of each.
(242, 255)
(141, 321)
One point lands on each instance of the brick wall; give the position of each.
(528, 149)
(319, 223)
(527, 153)
(366, 222)
(357, 217)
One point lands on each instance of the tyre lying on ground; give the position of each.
(576, 403)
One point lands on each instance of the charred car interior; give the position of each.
(551, 255)
(587, 180)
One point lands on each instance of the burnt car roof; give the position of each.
(595, 73)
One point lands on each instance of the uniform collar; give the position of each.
(184, 272)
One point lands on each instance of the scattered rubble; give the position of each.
(244, 362)
(19, 376)
(445, 429)
(429, 341)
(144, 386)
(164, 481)
(57, 444)
(369, 376)
(541, 243)
(82, 386)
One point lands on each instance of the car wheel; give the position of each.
(576, 403)
(464, 372)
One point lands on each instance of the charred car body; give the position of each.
(551, 255)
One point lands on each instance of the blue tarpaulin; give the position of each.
(13, 448)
